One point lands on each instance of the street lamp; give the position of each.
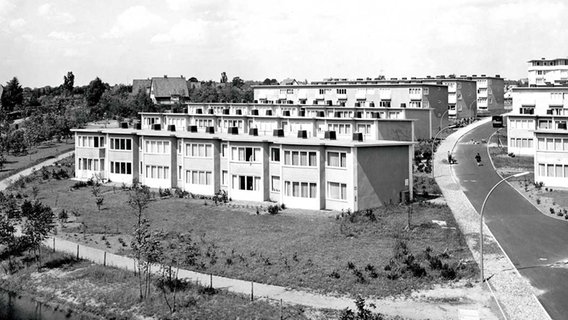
(481, 218)
(442, 118)
(432, 145)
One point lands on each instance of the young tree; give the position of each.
(68, 82)
(223, 77)
(8, 239)
(139, 200)
(13, 96)
(40, 221)
(180, 250)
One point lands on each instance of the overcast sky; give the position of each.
(120, 40)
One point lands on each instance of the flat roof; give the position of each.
(248, 138)
(540, 88)
(377, 83)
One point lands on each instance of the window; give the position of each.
(541, 144)
(300, 189)
(300, 158)
(415, 104)
(275, 184)
(550, 170)
(223, 150)
(275, 154)
(179, 147)
(337, 191)
(90, 141)
(120, 144)
(157, 146)
(247, 154)
(158, 172)
(247, 183)
(541, 169)
(341, 91)
(120, 167)
(385, 103)
(199, 150)
(337, 159)
(224, 178)
(414, 91)
(198, 177)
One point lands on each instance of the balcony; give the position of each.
(452, 99)
(102, 152)
(416, 96)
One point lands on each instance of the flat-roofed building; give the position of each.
(543, 72)
(300, 171)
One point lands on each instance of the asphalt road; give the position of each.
(536, 244)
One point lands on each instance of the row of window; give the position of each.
(549, 124)
(198, 150)
(120, 144)
(300, 158)
(157, 146)
(553, 144)
(199, 177)
(90, 141)
(521, 124)
(158, 172)
(118, 167)
(91, 164)
(521, 143)
(553, 170)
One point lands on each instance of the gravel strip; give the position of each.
(514, 293)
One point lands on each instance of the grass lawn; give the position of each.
(549, 201)
(73, 286)
(46, 150)
(307, 250)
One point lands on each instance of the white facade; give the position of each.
(547, 71)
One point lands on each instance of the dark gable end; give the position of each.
(168, 87)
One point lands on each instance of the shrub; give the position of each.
(537, 201)
(63, 216)
(334, 274)
(273, 209)
(282, 206)
(551, 210)
(350, 265)
(79, 185)
(448, 272)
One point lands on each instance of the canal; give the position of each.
(17, 307)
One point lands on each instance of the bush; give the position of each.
(273, 209)
(448, 272)
(334, 274)
(551, 210)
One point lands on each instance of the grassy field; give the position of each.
(327, 253)
(46, 150)
(73, 286)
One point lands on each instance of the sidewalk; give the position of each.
(514, 294)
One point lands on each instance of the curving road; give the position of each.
(536, 244)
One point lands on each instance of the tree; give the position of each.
(8, 240)
(223, 77)
(139, 200)
(180, 250)
(40, 221)
(237, 82)
(13, 96)
(94, 91)
(68, 82)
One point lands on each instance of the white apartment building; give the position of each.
(548, 72)
(323, 161)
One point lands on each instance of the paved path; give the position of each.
(535, 243)
(409, 308)
(514, 293)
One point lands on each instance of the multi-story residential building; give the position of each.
(551, 158)
(490, 94)
(548, 72)
(300, 171)
(163, 90)
(426, 103)
(534, 109)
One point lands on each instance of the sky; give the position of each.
(117, 41)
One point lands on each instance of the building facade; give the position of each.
(163, 90)
(302, 172)
(426, 103)
(545, 72)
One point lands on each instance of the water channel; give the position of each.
(17, 307)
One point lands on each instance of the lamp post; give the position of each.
(432, 145)
(481, 219)
(442, 118)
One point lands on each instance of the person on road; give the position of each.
(449, 157)
(478, 159)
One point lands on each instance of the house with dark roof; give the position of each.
(169, 90)
(141, 84)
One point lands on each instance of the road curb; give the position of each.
(516, 306)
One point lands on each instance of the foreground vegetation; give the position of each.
(108, 293)
(372, 253)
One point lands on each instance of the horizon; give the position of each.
(255, 40)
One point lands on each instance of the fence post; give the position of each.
(105, 259)
(53, 244)
(77, 252)
(281, 309)
(251, 291)
(211, 280)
